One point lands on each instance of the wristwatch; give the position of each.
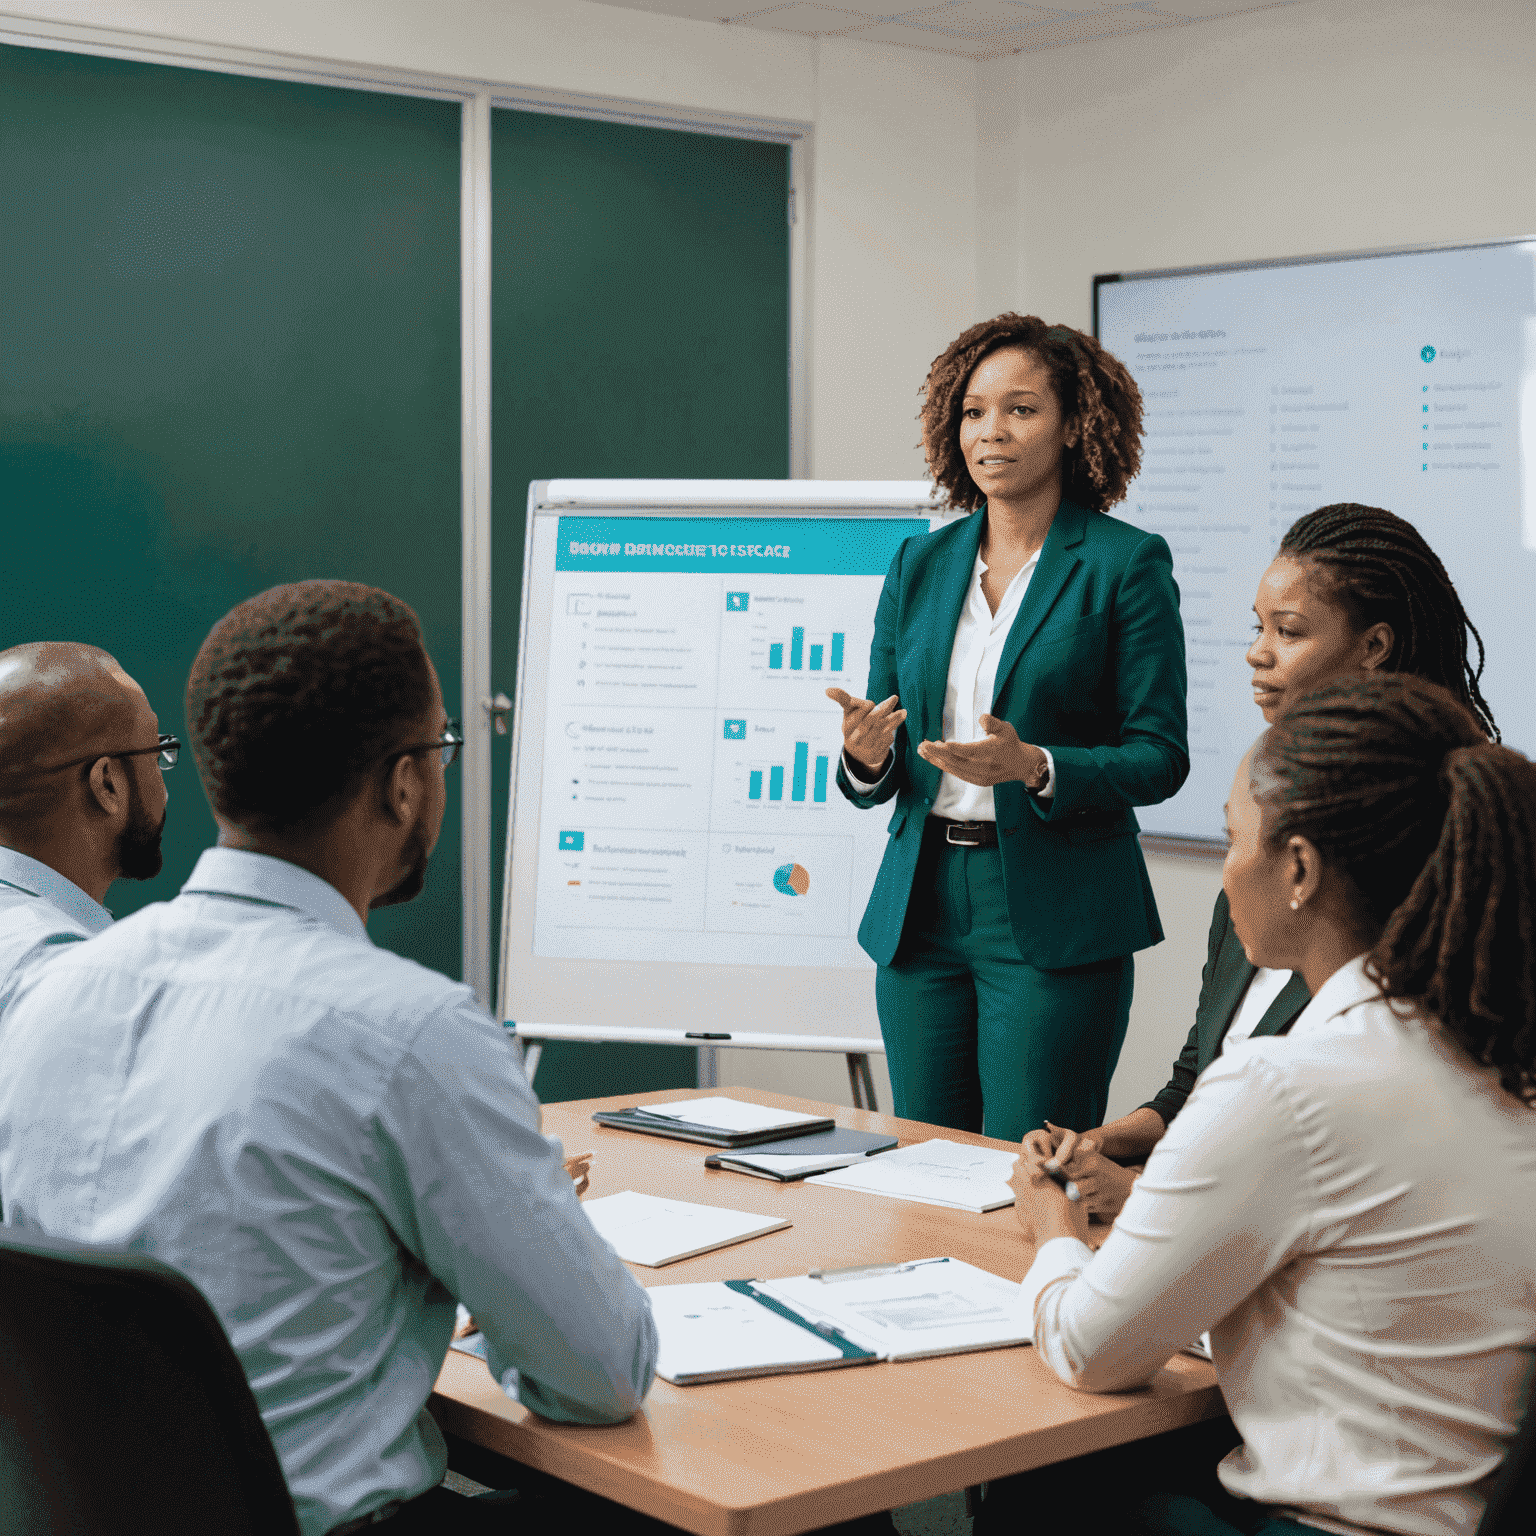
(1034, 788)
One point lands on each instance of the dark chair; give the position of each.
(1511, 1507)
(122, 1404)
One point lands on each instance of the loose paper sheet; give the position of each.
(936, 1172)
(646, 1230)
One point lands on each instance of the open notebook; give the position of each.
(715, 1331)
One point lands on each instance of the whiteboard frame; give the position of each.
(1208, 848)
(728, 497)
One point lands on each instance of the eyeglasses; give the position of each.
(168, 747)
(448, 744)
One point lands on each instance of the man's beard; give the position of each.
(138, 844)
(418, 851)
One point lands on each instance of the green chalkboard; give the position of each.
(640, 314)
(229, 357)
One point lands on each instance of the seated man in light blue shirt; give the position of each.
(331, 1141)
(82, 800)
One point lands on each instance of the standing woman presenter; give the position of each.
(1026, 690)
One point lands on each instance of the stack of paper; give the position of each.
(776, 1165)
(646, 1230)
(722, 1114)
(934, 1172)
(718, 1122)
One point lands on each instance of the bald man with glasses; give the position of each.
(82, 797)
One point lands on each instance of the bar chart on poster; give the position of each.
(1404, 380)
(675, 809)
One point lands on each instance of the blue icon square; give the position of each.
(735, 730)
(736, 602)
(572, 842)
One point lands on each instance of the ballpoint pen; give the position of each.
(863, 1271)
(1052, 1170)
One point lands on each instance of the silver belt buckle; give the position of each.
(970, 834)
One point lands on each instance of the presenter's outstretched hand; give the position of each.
(868, 729)
(998, 758)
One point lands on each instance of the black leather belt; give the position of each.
(967, 834)
(381, 1516)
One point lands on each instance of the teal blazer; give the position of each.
(1093, 668)
(1222, 984)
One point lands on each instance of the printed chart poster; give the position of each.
(689, 807)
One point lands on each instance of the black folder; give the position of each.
(709, 1135)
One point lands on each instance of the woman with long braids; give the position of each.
(1026, 691)
(1347, 1211)
(1352, 589)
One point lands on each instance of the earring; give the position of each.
(1295, 905)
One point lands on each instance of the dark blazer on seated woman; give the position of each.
(1093, 672)
(1225, 979)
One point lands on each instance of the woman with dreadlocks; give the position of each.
(1026, 690)
(1353, 589)
(1347, 1211)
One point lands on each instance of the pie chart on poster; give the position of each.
(792, 879)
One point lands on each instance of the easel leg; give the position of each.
(709, 1067)
(861, 1081)
(532, 1050)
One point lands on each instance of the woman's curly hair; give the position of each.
(1093, 388)
(297, 692)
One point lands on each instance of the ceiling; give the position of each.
(973, 29)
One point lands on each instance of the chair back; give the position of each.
(1511, 1507)
(122, 1403)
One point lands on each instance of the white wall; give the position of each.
(1308, 128)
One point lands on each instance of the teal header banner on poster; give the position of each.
(802, 546)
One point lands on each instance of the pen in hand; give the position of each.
(1052, 1170)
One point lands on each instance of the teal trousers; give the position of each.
(977, 1040)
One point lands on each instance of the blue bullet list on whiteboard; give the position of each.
(685, 706)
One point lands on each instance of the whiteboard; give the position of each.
(678, 852)
(1404, 380)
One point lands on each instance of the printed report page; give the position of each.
(689, 809)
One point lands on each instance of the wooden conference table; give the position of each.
(777, 1455)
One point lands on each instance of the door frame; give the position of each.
(477, 98)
